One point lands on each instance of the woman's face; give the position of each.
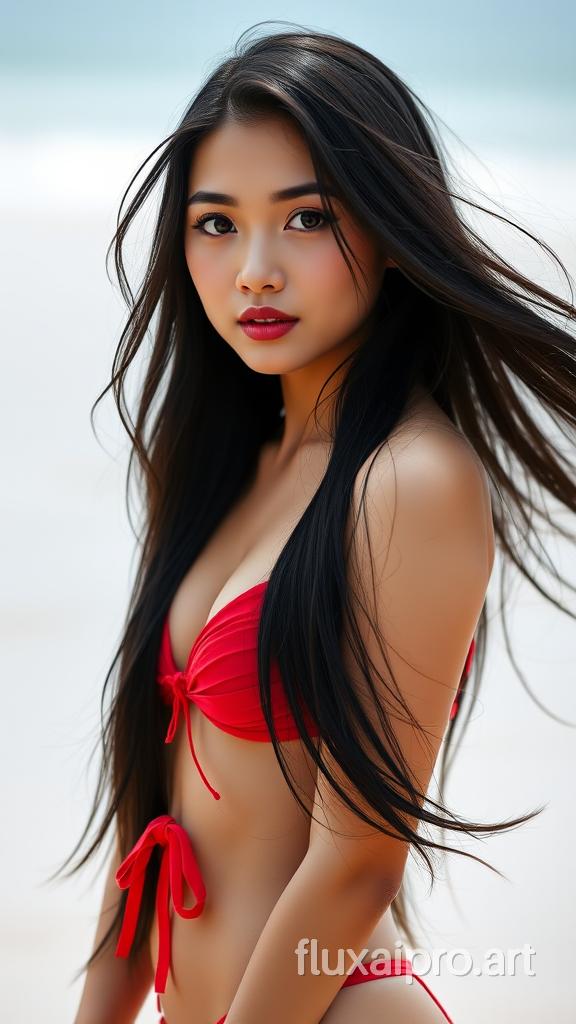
(254, 250)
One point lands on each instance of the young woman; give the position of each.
(326, 468)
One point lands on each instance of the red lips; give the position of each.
(263, 312)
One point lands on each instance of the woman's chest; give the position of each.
(246, 545)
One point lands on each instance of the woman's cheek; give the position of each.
(207, 273)
(331, 273)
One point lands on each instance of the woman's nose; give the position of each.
(259, 270)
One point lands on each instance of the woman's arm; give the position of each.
(427, 552)
(320, 902)
(115, 988)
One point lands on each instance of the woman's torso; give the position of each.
(250, 842)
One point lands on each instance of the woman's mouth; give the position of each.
(260, 331)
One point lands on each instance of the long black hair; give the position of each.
(202, 416)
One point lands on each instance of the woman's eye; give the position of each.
(324, 218)
(306, 214)
(199, 224)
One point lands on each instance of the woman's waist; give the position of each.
(243, 880)
(240, 844)
(240, 879)
(225, 933)
(215, 883)
(229, 913)
(209, 955)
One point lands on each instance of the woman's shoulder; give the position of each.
(429, 475)
(426, 439)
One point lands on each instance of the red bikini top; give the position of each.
(221, 678)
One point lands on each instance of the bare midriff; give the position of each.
(248, 845)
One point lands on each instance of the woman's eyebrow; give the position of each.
(293, 192)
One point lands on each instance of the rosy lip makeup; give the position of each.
(267, 332)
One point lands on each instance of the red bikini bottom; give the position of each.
(356, 977)
(178, 864)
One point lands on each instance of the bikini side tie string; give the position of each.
(178, 863)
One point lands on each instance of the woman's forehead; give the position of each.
(234, 150)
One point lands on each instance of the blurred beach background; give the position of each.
(87, 92)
